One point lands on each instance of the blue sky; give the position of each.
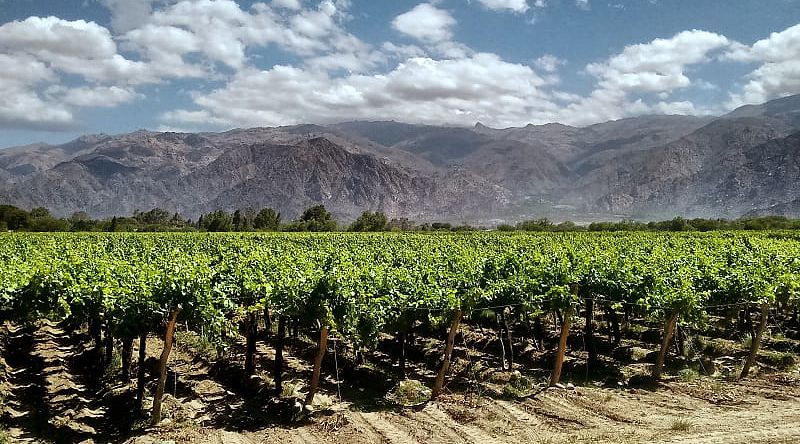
(69, 67)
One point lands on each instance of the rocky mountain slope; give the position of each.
(746, 162)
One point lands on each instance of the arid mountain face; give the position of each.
(747, 162)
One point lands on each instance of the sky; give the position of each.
(71, 67)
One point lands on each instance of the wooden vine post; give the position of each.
(756, 343)
(127, 356)
(448, 350)
(401, 339)
(566, 321)
(251, 330)
(588, 332)
(562, 348)
(669, 330)
(162, 366)
(323, 346)
(141, 371)
(502, 343)
(510, 341)
(277, 371)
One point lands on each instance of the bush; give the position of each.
(409, 393)
(688, 375)
(780, 360)
(519, 387)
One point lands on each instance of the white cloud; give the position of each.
(779, 72)
(50, 36)
(101, 96)
(426, 23)
(479, 88)
(402, 51)
(337, 76)
(22, 107)
(548, 63)
(295, 5)
(220, 31)
(511, 5)
(656, 67)
(36, 52)
(705, 85)
(171, 39)
(583, 4)
(128, 14)
(74, 47)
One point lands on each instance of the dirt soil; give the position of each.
(48, 401)
(759, 410)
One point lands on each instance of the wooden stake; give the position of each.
(162, 366)
(251, 329)
(669, 329)
(140, 372)
(756, 343)
(277, 371)
(448, 350)
(562, 348)
(323, 345)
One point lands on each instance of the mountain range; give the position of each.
(650, 167)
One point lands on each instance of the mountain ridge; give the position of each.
(646, 167)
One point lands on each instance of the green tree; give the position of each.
(542, 224)
(218, 220)
(317, 218)
(40, 212)
(156, 216)
(238, 221)
(402, 224)
(369, 221)
(267, 219)
(14, 218)
(80, 221)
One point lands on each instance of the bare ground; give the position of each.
(48, 402)
(761, 410)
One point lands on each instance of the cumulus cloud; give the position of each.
(22, 106)
(50, 68)
(426, 22)
(38, 51)
(288, 4)
(169, 39)
(73, 47)
(461, 91)
(510, 5)
(548, 63)
(657, 67)
(100, 96)
(779, 72)
(220, 31)
(128, 14)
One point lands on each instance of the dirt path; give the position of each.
(47, 399)
(49, 403)
(675, 413)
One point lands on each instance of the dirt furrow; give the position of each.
(774, 433)
(364, 430)
(470, 433)
(391, 433)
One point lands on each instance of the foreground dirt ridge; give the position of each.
(676, 413)
(48, 403)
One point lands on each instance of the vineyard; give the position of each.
(109, 336)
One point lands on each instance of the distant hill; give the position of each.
(746, 162)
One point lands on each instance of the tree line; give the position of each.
(318, 218)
